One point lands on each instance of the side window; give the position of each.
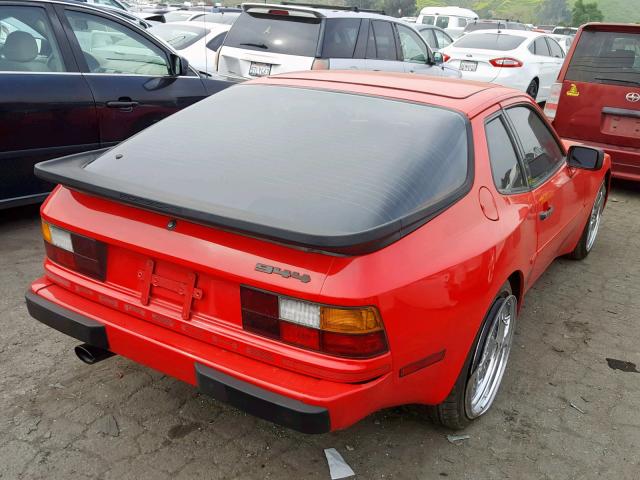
(462, 22)
(556, 50)
(413, 47)
(540, 48)
(112, 48)
(443, 39)
(340, 37)
(429, 37)
(442, 22)
(542, 154)
(216, 42)
(428, 20)
(27, 42)
(385, 43)
(505, 167)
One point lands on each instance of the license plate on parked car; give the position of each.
(468, 66)
(259, 69)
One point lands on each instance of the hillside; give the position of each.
(526, 10)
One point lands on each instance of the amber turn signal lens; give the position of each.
(351, 320)
(46, 232)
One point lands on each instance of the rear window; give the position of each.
(564, 31)
(178, 36)
(606, 57)
(319, 162)
(340, 35)
(286, 34)
(490, 41)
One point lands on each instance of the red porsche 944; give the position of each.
(313, 247)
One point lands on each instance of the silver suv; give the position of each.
(271, 39)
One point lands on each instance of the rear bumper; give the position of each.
(625, 161)
(287, 398)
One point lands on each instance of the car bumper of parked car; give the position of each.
(625, 161)
(296, 401)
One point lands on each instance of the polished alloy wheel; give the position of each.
(493, 354)
(596, 216)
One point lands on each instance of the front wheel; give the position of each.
(481, 377)
(590, 232)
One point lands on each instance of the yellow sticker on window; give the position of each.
(573, 91)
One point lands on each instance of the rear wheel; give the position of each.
(481, 377)
(590, 232)
(532, 89)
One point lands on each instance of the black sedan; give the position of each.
(76, 78)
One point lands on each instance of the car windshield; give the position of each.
(319, 162)
(178, 16)
(490, 41)
(178, 36)
(606, 57)
(288, 34)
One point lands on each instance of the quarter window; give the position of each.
(413, 48)
(216, 42)
(27, 43)
(540, 48)
(340, 37)
(443, 39)
(507, 173)
(556, 50)
(542, 154)
(111, 48)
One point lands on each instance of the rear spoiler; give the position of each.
(267, 7)
(335, 7)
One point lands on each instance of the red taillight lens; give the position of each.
(344, 332)
(320, 64)
(551, 106)
(79, 253)
(445, 57)
(278, 12)
(506, 62)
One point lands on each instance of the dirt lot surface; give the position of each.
(563, 412)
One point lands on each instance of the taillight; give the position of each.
(445, 57)
(551, 107)
(344, 332)
(278, 12)
(77, 252)
(506, 62)
(320, 64)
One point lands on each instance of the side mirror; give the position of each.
(438, 58)
(179, 65)
(587, 158)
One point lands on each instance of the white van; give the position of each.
(451, 19)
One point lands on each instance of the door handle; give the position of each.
(546, 213)
(124, 103)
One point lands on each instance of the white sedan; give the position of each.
(198, 42)
(526, 61)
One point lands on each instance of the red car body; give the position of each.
(432, 287)
(597, 98)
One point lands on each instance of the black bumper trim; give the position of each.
(262, 403)
(66, 321)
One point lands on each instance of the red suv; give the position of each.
(597, 97)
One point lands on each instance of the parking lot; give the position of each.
(563, 411)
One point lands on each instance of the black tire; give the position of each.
(452, 412)
(582, 248)
(532, 89)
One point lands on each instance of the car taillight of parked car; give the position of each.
(551, 106)
(344, 332)
(79, 253)
(506, 62)
(445, 57)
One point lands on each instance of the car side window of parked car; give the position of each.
(216, 42)
(111, 48)
(381, 43)
(27, 42)
(542, 154)
(442, 38)
(442, 22)
(340, 36)
(506, 169)
(556, 50)
(413, 48)
(540, 47)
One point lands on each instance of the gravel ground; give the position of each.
(563, 411)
